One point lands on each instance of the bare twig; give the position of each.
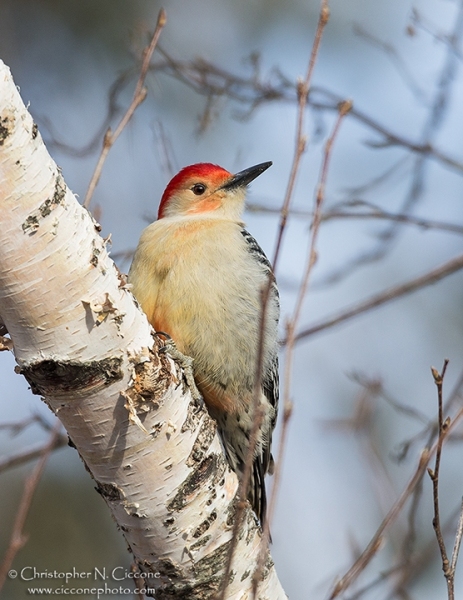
(26, 456)
(138, 97)
(430, 431)
(392, 293)
(18, 538)
(443, 427)
(398, 218)
(373, 212)
(344, 109)
(303, 88)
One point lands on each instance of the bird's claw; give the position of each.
(186, 362)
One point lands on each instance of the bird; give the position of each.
(200, 276)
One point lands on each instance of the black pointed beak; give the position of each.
(244, 177)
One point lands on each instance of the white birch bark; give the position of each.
(83, 344)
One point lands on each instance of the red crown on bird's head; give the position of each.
(204, 172)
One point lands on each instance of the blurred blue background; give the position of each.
(403, 71)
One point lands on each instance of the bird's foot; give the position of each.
(186, 362)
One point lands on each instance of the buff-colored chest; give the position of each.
(198, 282)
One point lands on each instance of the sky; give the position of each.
(395, 62)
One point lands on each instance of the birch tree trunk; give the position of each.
(87, 349)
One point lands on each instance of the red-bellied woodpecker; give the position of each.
(199, 276)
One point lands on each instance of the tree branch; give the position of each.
(443, 427)
(82, 343)
(392, 293)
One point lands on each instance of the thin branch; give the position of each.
(377, 213)
(374, 212)
(344, 109)
(18, 538)
(26, 456)
(443, 427)
(138, 97)
(430, 431)
(291, 338)
(303, 88)
(392, 293)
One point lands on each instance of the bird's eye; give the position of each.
(198, 189)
